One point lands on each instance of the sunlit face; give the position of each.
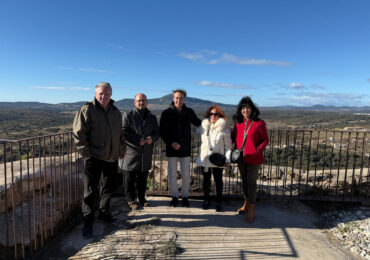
(246, 111)
(102, 95)
(140, 101)
(214, 116)
(178, 99)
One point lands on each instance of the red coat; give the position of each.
(256, 142)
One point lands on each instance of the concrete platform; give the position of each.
(281, 230)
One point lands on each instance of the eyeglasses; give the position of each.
(214, 114)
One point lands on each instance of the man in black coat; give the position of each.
(140, 129)
(175, 128)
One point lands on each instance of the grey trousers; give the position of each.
(185, 175)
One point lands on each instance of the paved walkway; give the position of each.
(280, 231)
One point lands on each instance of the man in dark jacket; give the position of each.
(140, 129)
(175, 128)
(97, 131)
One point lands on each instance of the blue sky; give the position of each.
(293, 52)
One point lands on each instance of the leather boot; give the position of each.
(250, 212)
(243, 209)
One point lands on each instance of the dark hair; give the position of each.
(183, 91)
(246, 101)
(221, 113)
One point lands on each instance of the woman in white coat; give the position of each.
(215, 137)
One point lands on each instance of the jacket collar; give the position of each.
(220, 125)
(172, 106)
(97, 104)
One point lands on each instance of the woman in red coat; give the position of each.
(249, 128)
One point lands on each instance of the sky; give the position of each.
(278, 52)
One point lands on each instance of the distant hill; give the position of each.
(163, 102)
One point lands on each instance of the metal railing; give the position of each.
(41, 179)
(40, 188)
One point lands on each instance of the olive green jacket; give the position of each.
(98, 133)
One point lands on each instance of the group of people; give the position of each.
(103, 136)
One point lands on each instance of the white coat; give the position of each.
(220, 140)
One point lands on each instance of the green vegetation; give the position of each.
(22, 123)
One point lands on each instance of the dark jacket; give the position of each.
(135, 127)
(175, 127)
(98, 133)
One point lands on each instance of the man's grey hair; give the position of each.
(183, 91)
(140, 94)
(104, 85)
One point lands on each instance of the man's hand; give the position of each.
(176, 146)
(142, 142)
(149, 140)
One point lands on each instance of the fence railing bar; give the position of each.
(300, 164)
(41, 232)
(28, 196)
(346, 169)
(308, 161)
(45, 192)
(331, 163)
(316, 160)
(34, 194)
(13, 203)
(354, 167)
(323, 164)
(339, 159)
(51, 188)
(21, 196)
(6, 201)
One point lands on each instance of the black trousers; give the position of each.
(249, 174)
(96, 170)
(136, 185)
(217, 176)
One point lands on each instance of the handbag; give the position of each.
(217, 159)
(237, 154)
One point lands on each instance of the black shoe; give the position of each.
(218, 207)
(185, 202)
(174, 202)
(107, 217)
(87, 229)
(206, 204)
(144, 202)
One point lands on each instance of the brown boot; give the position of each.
(243, 209)
(250, 212)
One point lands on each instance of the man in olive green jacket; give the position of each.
(97, 131)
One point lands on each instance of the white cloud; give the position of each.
(87, 70)
(61, 88)
(208, 57)
(192, 56)
(96, 70)
(323, 98)
(65, 68)
(115, 46)
(295, 85)
(221, 85)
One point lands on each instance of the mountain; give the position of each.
(163, 102)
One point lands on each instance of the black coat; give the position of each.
(175, 126)
(139, 158)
